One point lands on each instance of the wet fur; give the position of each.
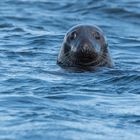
(69, 60)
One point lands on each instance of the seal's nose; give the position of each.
(85, 47)
(85, 52)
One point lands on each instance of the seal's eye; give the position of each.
(73, 35)
(96, 35)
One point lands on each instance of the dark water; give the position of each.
(41, 101)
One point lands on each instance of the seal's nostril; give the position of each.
(84, 47)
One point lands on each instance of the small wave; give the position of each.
(6, 25)
(120, 77)
(135, 91)
(136, 122)
(122, 12)
(38, 42)
(20, 18)
(116, 10)
(18, 29)
(21, 53)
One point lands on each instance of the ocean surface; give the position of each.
(41, 101)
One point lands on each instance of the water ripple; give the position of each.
(39, 99)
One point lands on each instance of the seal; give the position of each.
(84, 46)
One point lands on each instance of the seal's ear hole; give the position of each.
(73, 35)
(96, 35)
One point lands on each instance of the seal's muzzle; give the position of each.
(86, 53)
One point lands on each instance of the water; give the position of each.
(39, 100)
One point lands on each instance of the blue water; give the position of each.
(41, 101)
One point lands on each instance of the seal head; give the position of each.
(84, 46)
